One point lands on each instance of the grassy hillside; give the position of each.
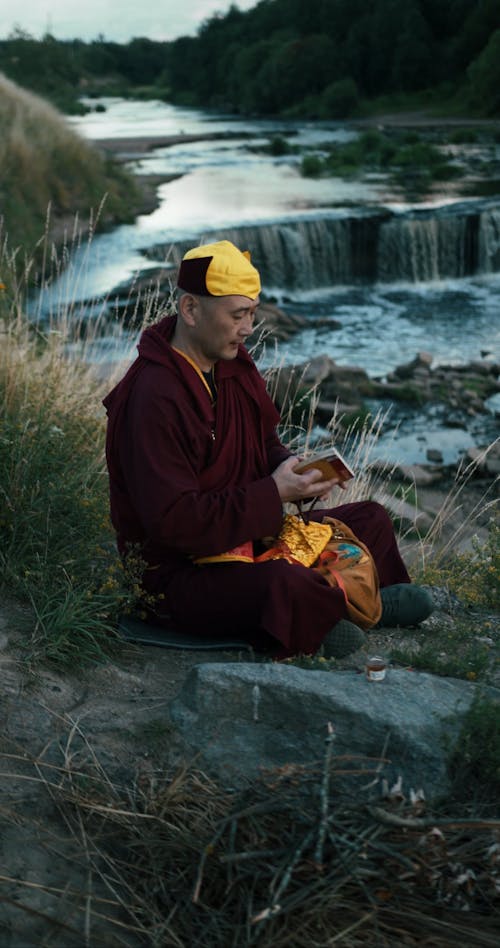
(46, 167)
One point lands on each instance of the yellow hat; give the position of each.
(219, 269)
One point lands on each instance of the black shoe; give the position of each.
(344, 638)
(404, 604)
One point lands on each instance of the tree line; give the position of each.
(316, 58)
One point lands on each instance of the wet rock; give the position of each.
(418, 475)
(415, 382)
(409, 515)
(422, 361)
(343, 384)
(455, 421)
(486, 459)
(422, 374)
(492, 466)
(317, 370)
(272, 319)
(434, 455)
(349, 383)
(327, 410)
(484, 367)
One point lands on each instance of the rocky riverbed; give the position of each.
(342, 390)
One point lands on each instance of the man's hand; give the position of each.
(293, 487)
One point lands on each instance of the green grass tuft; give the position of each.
(474, 764)
(473, 576)
(57, 548)
(453, 652)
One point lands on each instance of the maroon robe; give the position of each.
(188, 479)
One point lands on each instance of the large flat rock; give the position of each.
(241, 718)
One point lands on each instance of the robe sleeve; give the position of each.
(276, 451)
(161, 453)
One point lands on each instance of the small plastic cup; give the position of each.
(375, 668)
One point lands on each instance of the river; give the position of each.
(230, 186)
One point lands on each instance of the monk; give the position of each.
(198, 477)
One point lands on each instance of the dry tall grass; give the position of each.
(177, 859)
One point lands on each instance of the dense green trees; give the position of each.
(484, 74)
(46, 66)
(311, 57)
(283, 55)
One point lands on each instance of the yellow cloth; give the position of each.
(299, 542)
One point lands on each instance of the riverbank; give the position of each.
(422, 119)
(129, 148)
(123, 147)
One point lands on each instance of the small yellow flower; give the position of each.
(471, 676)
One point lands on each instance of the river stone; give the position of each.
(422, 360)
(416, 474)
(243, 717)
(484, 367)
(326, 410)
(404, 511)
(316, 370)
(479, 456)
(282, 325)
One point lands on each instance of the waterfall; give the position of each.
(369, 246)
(431, 248)
(312, 252)
(489, 241)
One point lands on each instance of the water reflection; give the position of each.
(259, 190)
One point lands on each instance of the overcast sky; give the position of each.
(119, 20)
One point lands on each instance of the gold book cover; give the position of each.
(331, 464)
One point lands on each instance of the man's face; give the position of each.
(222, 323)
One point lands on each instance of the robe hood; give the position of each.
(154, 346)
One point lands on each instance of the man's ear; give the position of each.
(188, 308)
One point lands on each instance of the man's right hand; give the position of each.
(293, 487)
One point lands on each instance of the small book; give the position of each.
(331, 464)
